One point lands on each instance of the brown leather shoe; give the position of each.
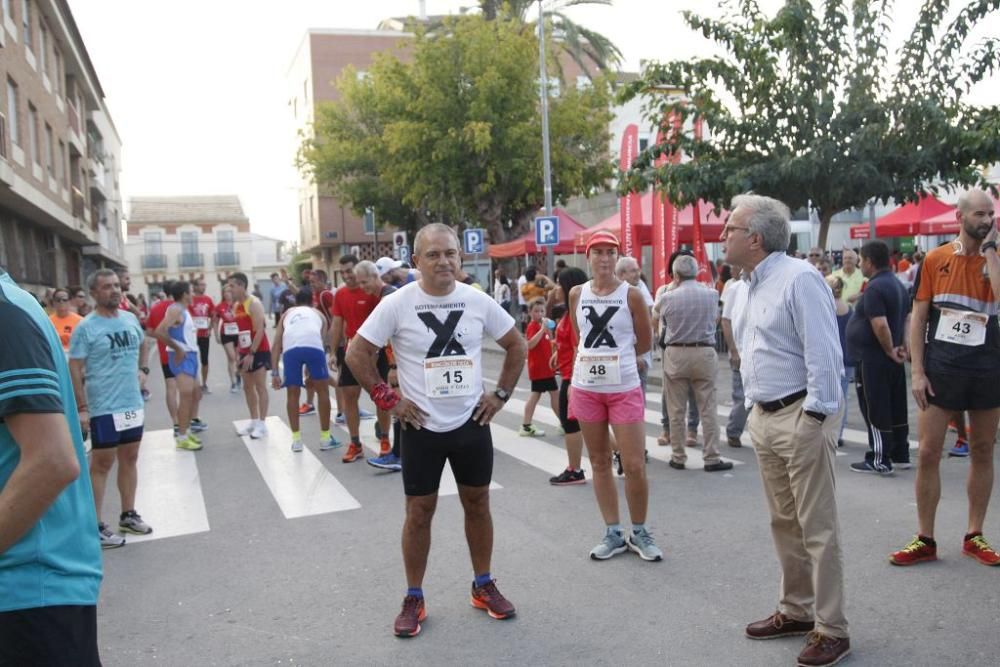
(734, 441)
(824, 650)
(778, 625)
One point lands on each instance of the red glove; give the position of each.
(384, 397)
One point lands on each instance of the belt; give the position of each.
(774, 406)
(689, 344)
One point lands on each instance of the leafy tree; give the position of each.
(455, 133)
(805, 107)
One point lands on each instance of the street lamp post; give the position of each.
(546, 159)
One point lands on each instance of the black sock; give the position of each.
(929, 541)
(971, 535)
(356, 439)
(526, 426)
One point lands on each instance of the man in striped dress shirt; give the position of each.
(791, 365)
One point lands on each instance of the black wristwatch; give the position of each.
(145, 369)
(989, 245)
(502, 394)
(818, 416)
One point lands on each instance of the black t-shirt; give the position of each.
(884, 296)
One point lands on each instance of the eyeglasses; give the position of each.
(61, 299)
(729, 228)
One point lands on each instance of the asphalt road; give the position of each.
(268, 564)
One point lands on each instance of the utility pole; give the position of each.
(546, 159)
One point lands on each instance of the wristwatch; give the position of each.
(989, 245)
(818, 416)
(145, 369)
(502, 394)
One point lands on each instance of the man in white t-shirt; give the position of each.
(436, 326)
(627, 269)
(734, 298)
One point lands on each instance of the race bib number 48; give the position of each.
(129, 419)
(961, 327)
(449, 376)
(597, 369)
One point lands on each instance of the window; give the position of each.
(189, 243)
(8, 10)
(643, 143)
(61, 163)
(26, 23)
(33, 133)
(58, 74)
(152, 243)
(43, 47)
(225, 241)
(12, 117)
(50, 150)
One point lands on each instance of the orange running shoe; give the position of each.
(306, 409)
(917, 551)
(488, 598)
(384, 447)
(409, 619)
(353, 453)
(977, 547)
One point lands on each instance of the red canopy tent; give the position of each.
(711, 224)
(947, 223)
(911, 219)
(525, 245)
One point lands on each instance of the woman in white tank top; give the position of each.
(612, 321)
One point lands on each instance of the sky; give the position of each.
(197, 88)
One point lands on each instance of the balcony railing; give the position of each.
(190, 260)
(154, 261)
(227, 259)
(79, 203)
(74, 117)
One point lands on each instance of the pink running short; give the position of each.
(628, 407)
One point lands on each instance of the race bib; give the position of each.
(201, 322)
(231, 329)
(449, 376)
(961, 327)
(129, 419)
(245, 339)
(598, 369)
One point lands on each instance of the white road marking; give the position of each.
(299, 482)
(169, 490)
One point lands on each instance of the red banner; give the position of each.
(631, 210)
(660, 255)
(669, 231)
(704, 271)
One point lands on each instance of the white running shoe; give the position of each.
(296, 445)
(258, 431)
(246, 429)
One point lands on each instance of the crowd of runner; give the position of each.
(796, 335)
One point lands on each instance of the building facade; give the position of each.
(60, 155)
(180, 238)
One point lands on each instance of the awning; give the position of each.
(525, 245)
(911, 219)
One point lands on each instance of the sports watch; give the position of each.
(502, 394)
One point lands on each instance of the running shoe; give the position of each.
(258, 431)
(194, 438)
(977, 547)
(901, 465)
(131, 522)
(961, 448)
(109, 540)
(568, 477)
(613, 544)
(177, 430)
(198, 425)
(296, 445)
(307, 409)
(364, 414)
(917, 551)
(353, 453)
(641, 542)
(408, 622)
(189, 443)
(205, 389)
(867, 467)
(384, 447)
(241, 430)
(386, 462)
(339, 419)
(332, 443)
(234, 388)
(488, 598)
(530, 431)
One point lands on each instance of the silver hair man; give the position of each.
(768, 218)
(366, 268)
(685, 267)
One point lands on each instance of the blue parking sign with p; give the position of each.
(547, 230)
(475, 241)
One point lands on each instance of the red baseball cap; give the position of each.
(602, 237)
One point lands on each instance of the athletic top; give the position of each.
(227, 320)
(156, 315)
(185, 334)
(58, 561)
(110, 347)
(605, 356)
(64, 326)
(353, 304)
(566, 342)
(201, 310)
(438, 346)
(323, 300)
(538, 356)
(302, 326)
(241, 311)
(962, 331)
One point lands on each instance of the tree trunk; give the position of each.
(824, 227)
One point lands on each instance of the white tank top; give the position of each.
(302, 327)
(605, 357)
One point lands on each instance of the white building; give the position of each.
(187, 237)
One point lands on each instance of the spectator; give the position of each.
(63, 319)
(851, 275)
(278, 288)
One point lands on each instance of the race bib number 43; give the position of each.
(596, 369)
(961, 327)
(129, 419)
(449, 376)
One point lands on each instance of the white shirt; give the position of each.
(302, 326)
(423, 328)
(521, 282)
(647, 298)
(606, 327)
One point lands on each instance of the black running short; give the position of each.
(203, 349)
(226, 340)
(963, 392)
(261, 359)
(569, 425)
(167, 373)
(346, 377)
(61, 636)
(544, 385)
(469, 450)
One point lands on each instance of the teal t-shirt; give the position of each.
(58, 561)
(110, 346)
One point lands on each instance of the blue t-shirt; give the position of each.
(884, 296)
(58, 561)
(110, 346)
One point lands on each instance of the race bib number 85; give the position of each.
(129, 419)
(449, 376)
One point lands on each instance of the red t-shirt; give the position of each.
(224, 311)
(354, 305)
(156, 315)
(201, 310)
(247, 333)
(324, 301)
(566, 342)
(538, 356)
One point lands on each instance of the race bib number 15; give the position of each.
(449, 376)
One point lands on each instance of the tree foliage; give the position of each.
(805, 106)
(454, 134)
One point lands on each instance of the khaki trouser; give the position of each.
(694, 366)
(795, 454)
